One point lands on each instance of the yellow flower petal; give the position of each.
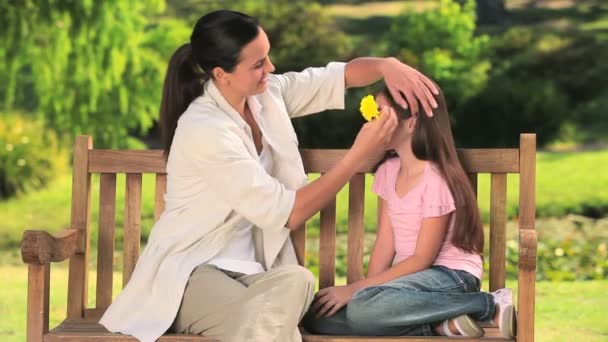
(369, 108)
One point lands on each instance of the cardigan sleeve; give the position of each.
(312, 90)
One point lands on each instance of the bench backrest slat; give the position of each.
(132, 225)
(356, 228)
(108, 163)
(498, 230)
(105, 245)
(159, 195)
(327, 245)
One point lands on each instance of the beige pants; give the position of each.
(230, 306)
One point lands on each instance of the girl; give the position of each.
(219, 261)
(425, 270)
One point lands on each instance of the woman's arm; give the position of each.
(406, 84)
(384, 247)
(372, 139)
(430, 238)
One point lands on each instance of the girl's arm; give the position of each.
(432, 234)
(384, 247)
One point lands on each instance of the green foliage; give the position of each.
(29, 155)
(573, 248)
(508, 107)
(442, 43)
(86, 67)
(301, 33)
(543, 82)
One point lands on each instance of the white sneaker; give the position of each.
(503, 299)
(466, 326)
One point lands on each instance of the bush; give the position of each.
(573, 248)
(508, 107)
(29, 155)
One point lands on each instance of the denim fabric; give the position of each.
(411, 305)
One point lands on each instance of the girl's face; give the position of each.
(405, 127)
(250, 77)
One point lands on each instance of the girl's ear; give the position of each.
(411, 124)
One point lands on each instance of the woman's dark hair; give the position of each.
(216, 41)
(432, 140)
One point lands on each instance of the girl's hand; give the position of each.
(331, 299)
(375, 136)
(408, 85)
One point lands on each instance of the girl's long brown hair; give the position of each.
(432, 140)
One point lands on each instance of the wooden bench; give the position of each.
(39, 248)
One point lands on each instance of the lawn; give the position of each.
(563, 309)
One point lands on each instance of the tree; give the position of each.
(83, 66)
(491, 12)
(442, 43)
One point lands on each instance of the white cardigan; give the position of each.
(214, 180)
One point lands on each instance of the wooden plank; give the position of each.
(327, 246)
(105, 250)
(317, 161)
(498, 230)
(473, 160)
(80, 219)
(298, 238)
(356, 202)
(90, 329)
(473, 179)
(127, 161)
(132, 235)
(527, 181)
(327, 338)
(159, 195)
(38, 301)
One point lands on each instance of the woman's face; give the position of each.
(250, 76)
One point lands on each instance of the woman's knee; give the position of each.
(296, 277)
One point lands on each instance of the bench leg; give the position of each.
(526, 285)
(37, 301)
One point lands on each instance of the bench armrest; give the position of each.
(40, 247)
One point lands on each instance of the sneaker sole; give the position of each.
(468, 326)
(508, 322)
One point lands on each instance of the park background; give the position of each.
(506, 67)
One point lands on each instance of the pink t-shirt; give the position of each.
(431, 197)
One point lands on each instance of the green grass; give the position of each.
(563, 309)
(566, 183)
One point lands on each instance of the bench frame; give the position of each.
(39, 248)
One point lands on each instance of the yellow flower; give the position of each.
(369, 108)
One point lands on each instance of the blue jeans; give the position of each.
(411, 305)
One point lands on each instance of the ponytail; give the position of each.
(183, 83)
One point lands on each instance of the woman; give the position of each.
(219, 261)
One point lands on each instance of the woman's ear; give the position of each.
(220, 75)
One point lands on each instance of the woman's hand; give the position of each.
(408, 86)
(375, 136)
(331, 299)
